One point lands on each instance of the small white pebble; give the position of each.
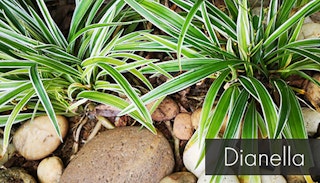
(50, 170)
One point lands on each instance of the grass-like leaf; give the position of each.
(44, 98)
(113, 101)
(267, 104)
(11, 94)
(284, 108)
(12, 118)
(236, 115)
(250, 123)
(127, 88)
(55, 31)
(311, 6)
(295, 124)
(185, 27)
(208, 104)
(184, 80)
(78, 15)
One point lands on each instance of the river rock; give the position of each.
(295, 179)
(126, 154)
(180, 177)
(182, 126)
(312, 90)
(15, 175)
(224, 179)
(309, 30)
(50, 170)
(37, 139)
(273, 179)
(11, 150)
(311, 120)
(195, 118)
(167, 110)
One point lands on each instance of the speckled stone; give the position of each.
(125, 154)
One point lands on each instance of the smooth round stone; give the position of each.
(182, 126)
(37, 139)
(180, 177)
(167, 110)
(126, 154)
(50, 170)
(311, 120)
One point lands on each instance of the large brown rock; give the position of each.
(126, 154)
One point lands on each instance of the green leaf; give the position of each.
(12, 118)
(44, 98)
(11, 94)
(220, 113)
(243, 31)
(284, 11)
(269, 108)
(250, 123)
(19, 118)
(287, 60)
(185, 80)
(185, 27)
(232, 8)
(169, 21)
(134, 98)
(99, 59)
(209, 102)
(172, 46)
(216, 120)
(11, 16)
(272, 14)
(236, 114)
(304, 11)
(56, 33)
(51, 63)
(15, 64)
(223, 22)
(14, 44)
(306, 54)
(78, 15)
(295, 124)
(43, 28)
(173, 66)
(208, 25)
(112, 100)
(285, 107)
(305, 64)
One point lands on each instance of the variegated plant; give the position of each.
(250, 56)
(42, 72)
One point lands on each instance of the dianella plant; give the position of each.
(250, 56)
(43, 71)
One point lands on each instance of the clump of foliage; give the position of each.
(251, 60)
(44, 72)
(250, 56)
